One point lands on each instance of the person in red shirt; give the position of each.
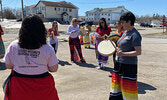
(53, 33)
(2, 48)
(102, 30)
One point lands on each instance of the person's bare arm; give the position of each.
(53, 68)
(9, 66)
(136, 52)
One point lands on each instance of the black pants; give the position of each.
(54, 45)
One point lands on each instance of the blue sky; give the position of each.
(138, 7)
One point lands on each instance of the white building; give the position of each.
(110, 14)
(61, 11)
(29, 10)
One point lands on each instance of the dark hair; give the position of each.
(105, 24)
(128, 16)
(32, 34)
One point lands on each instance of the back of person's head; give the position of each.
(32, 34)
(128, 16)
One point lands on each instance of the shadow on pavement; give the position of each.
(142, 87)
(2, 66)
(63, 63)
(107, 69)
(94, 66)
(85, 65)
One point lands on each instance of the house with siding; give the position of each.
(110, 14)
(29, 10)
(61, 11)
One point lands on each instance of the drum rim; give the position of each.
(113, 35)
(109, 53)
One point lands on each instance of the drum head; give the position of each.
(106, 47)
(114, 37)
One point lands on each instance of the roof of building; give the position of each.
(63, 4)
(31, 6)
(105, 9)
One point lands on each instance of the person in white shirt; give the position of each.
(31, 59)
(74, 42)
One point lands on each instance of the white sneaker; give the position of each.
(99, 66)
(102, 65)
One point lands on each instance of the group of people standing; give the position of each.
(30, 78)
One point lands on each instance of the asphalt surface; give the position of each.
(82, 81)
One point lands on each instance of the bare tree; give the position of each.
(8, 14)
(148, 18)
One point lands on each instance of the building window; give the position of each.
(102, 14)
(64, 9)
(108, 14)
(95, 18)
(55, 8)
(70, 10)
(105, 14)
(108, 19)
(95, 14)
(43, 8)
(70, 17)
(58, 9)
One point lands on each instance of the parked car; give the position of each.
(143, 24)
(157, 25)
(146, 25)
(18, 20)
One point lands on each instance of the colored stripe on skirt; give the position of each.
(124, 82)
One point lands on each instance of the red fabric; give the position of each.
(75, 42)
(103, 31)
(1, 30)
(32, 89)
(76, 55)
(120, 34)
(50, 30)
(81, 40)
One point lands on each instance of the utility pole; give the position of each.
(1, 9)
(22, 9)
